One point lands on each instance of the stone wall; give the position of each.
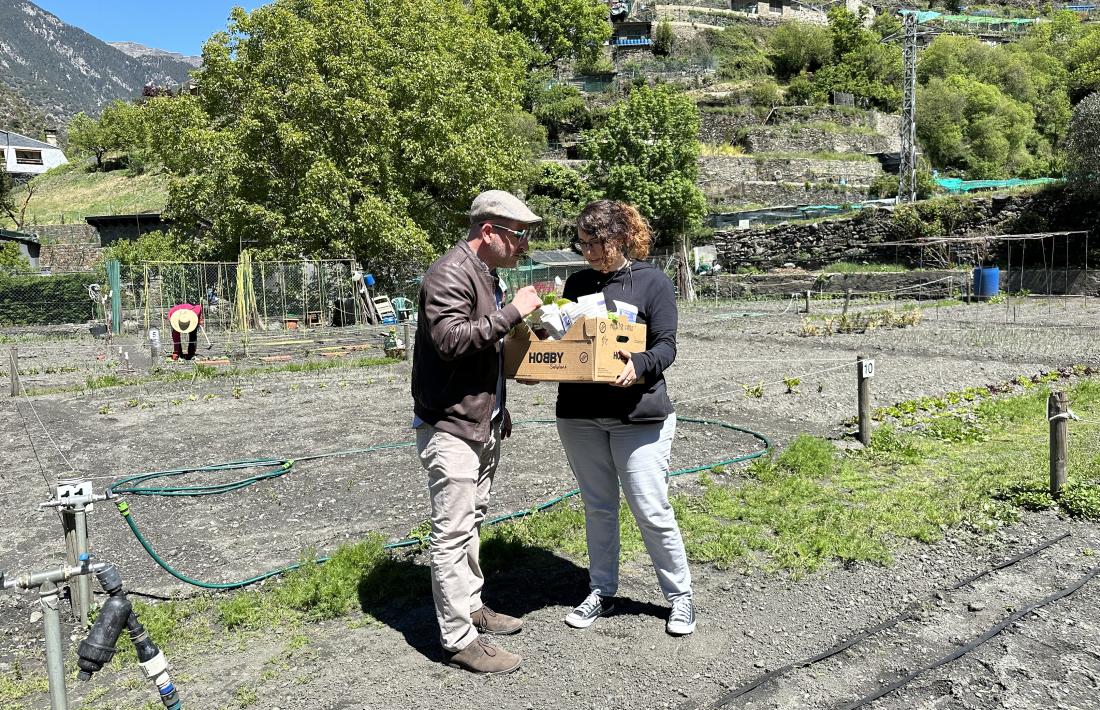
(60, 258)
(718, 126)
(717, 173)
(887, 124)
(76, 233)
(786, 193)
(771, 139)
(872, 235)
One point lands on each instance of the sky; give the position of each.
(173, 25)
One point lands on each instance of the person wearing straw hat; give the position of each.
(460, 416)
(185, 319)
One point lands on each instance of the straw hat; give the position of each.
(184, 320)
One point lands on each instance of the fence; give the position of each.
(244, 295)
(34, 299)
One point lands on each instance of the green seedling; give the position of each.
(792, 384)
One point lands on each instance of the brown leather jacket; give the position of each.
(456, 360)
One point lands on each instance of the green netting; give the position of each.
(960, 185)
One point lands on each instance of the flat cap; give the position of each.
(501, 204)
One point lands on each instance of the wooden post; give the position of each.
(807, 300)
(14, 355)
(1057, 414)
(863, 379)
(408, 343)
(847, 300)
(968, 283)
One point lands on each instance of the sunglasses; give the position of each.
(517, 233)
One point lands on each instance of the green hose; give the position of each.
(132, 485)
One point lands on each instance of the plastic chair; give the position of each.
(403, 307)
(385, 310)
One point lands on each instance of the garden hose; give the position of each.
(274, 468)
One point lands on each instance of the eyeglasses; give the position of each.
(579, 245)
(517, 233)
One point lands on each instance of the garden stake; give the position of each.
(1057, 414)
(13, 353)
(865, 370)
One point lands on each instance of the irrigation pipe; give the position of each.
(274, 468)
(974, 643)
(852, 640)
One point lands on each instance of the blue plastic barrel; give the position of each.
(987, 281)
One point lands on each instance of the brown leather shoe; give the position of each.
(482, 656)
(487, 621)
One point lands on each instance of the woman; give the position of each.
(622, 433)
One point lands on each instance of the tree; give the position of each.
(663, 38)
(551, 30)
(12, 259)
(87, 136)
(15, 208)
(647, 153)
(796, 47)
(969, 125)
(1082, 145)
(558, 195)
(349, 127)
(151, 246)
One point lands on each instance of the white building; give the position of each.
(21, 155)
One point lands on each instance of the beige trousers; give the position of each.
(460, 477)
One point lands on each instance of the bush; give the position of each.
(797, 47)
(45, 300)
(764, 93)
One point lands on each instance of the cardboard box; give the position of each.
(586, 353)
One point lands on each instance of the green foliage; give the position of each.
(764, 93)
(12, 259)
(559, 107)
(350, 127)
(797, 47)
(887, 185)
(1082, 145)
(45, 300)
(558, 195)
(550, 31)
(151, 246)
(647, 154)
(740, 50)
(663, 38)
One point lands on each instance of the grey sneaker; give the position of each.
(681, 620)
(593, 607)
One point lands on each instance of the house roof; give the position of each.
(115, 219)
(18, 140)
(557, 257)
(10, 236)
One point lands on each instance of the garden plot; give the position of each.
(739, 362)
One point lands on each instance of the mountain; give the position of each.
(140, 51)
(59, 69)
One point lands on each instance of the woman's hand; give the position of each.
(627, 377)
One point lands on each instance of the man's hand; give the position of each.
(527, 301)
(505, 425)
(627, 377)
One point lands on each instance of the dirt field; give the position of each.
(750, 621)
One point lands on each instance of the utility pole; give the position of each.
(907, 175)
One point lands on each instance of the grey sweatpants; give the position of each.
(605, 453)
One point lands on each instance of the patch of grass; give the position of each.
(66, 196)
(861, 322)
(17, 684)
(851, 267)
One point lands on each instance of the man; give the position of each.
(458, 396)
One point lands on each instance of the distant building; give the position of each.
(28, 244)
(23, 156)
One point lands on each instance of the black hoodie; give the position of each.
(645, 286)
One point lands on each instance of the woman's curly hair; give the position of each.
(611, 221)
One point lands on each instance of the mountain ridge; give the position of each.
(59, 70)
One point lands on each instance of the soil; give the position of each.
(750, 621)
